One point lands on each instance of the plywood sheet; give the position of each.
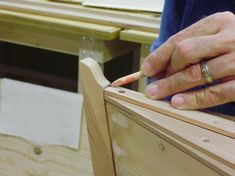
(142, 5)
(39, 114)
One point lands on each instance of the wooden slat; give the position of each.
(93, 84)
(138, 36)
(145, 22)
(211, 122)
(59, 25)
(138, 151)
(40, 38)
(214, 150)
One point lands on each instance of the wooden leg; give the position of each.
(144, 52)
(93, 83)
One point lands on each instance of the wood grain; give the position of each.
(142, 21)
(212, 149)
(23, 158)
(60, 25)
(93, 84)
(138, 151)
(138, 36)
(207, 121)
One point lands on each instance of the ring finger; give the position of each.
(191, 77)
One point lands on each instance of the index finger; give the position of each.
(158, 61)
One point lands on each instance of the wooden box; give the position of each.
(132, 135)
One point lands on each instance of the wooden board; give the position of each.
(211, 122)
(138, 151)
(23, 158)
(27, 110)
(142, 21)
(24, 20)
(137, 5)
(212, 149)
(92, 88)
(138, 36)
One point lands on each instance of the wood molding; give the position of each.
(142, 21)
(204, 120)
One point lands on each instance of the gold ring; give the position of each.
(206, 73)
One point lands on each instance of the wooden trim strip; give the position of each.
(204, 120)
(120, 19)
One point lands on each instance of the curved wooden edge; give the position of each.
(93, 84)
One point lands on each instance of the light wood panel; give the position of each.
(55, 25)
(93, 83)
(23, 158)
(211, 122)
(212, 149)
(142, 21)
(138, 151)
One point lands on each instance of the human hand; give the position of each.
(211, 39)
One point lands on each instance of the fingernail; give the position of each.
(178, 101)
(147, 67)
(152, 90)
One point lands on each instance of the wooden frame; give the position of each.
(141, 21)
(133, 135)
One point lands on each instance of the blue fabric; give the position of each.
(179, 14)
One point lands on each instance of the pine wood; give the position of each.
(138, 36)
(211, 122)
(138, 151)
(96, 117)
(217, 153)
(29, 110)
(136, 128)
(55, 25)
(141, 21)
(23, 158)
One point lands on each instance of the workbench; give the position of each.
(88, 32)
(85, 32)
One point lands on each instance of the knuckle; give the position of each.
(178, 37)
(231, 92)
(157, 58)
(214, 95)
(182, 50)
(224, 17)
(228, 15)
(197, 100)
(168, 86)
(193, 73)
